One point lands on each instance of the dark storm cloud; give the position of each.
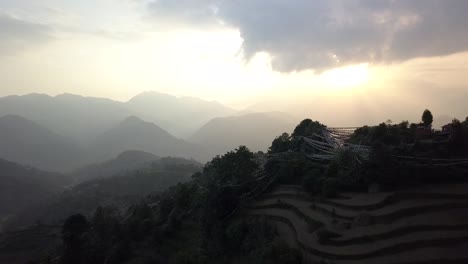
(16, 34)
(320, 34)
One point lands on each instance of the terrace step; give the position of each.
(303, 206)
(447, 254)
(395, 211)
(449, 218)
(308, 242)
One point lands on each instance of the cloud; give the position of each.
(17, 34)
(199, 12)
(322, 34)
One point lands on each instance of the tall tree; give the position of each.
(427, 117)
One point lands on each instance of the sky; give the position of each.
(346, 61)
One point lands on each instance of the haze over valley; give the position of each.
(66, 132)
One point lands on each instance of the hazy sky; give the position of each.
(374, 58)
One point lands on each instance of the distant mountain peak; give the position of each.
(149, 96)
(136, 154)
(254, 130)
(14, 117)
(133, 119)
(18, 121)
(37, 95)
(134, 124)
(24, 141)
(135, 134)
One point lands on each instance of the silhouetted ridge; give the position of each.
(135, 155)
(126, 161)
(181, 116)
(27, 142)
(135, 134)
(23, 186)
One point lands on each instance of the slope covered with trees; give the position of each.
(126, 161)
(118, 191)
(24, 187)
(289, 207)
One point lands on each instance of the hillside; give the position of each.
(178, 115)
(256, 131)
(118, 191)
(25, 246)
(136, 134)
(29, 143)
(125, 161)
(388, 227)
(376, 194)
(22, 187)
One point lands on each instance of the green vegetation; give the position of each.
(121, 191)
(35, 187)
(188, 223)
(427, 118)
(202, 220)
(384, 166)
(284, 143)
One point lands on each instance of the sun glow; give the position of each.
(346, 77)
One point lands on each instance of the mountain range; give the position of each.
(83, 118)
(180, 116)
(66, 132)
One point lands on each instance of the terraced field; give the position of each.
(29, 245)
(428, 225)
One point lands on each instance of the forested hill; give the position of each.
(126, 161)
(23, 187)
(117, 191)
(302, 202)
(135, 134)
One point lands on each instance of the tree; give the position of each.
(233, 167)
(226, 179)
(307, 128)
(427, 117)
(404, 124)
(73, 231)
(280, 144)
(105, 223)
